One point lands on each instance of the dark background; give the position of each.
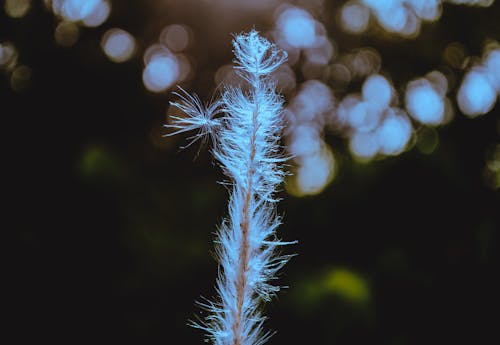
(113, 226)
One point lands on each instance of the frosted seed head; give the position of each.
(256, 55)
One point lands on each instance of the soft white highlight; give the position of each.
(476, 95)
(492, 65)
(91, 13)
(313, 158)
(364, 144)
(118, 45)
(247, 146)
(297, 27)
(377, 91)
(424, 103)
(161, 72)
(394, 133)
(478, 92)
(374, 124)
(354, 17)
(315, 171)
(403, 17)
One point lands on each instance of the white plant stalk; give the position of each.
(247, 146)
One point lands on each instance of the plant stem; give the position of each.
(244, 226)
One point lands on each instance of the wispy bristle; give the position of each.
(198, 117)
(247, 148)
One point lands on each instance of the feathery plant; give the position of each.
(246, 142)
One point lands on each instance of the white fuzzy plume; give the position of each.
(247, 146)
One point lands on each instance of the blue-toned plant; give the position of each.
(245, 126)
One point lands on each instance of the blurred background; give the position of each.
(393, 121)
